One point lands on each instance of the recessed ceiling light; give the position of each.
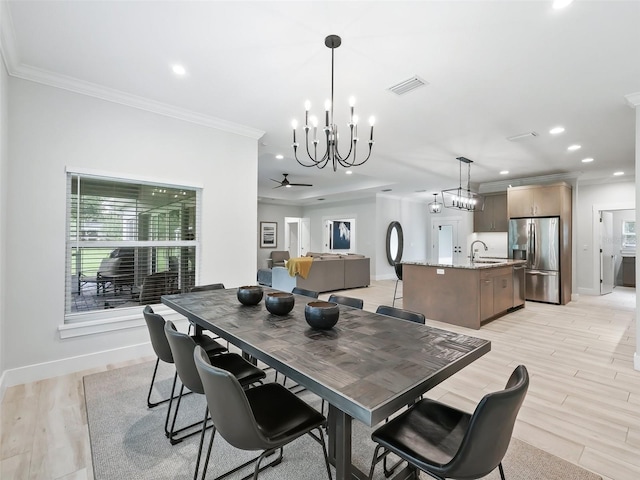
(556, 130)
(504, 172)
(573, 148)
(617, 174)
(178, 69)
(279, 157)
(558, 4)
(587, 160)
(348, 172)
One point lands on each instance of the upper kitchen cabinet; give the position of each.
(494, 217)
(539, 200)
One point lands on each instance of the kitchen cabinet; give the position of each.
(466, 294)
(496, 292)
(629, 271)
(538, 200)
(494, 216)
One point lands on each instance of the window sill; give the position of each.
(115, 320)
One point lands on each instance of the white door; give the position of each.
(447, 246)
(304, 236)
(607, 258)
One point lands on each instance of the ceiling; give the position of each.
(494, 70)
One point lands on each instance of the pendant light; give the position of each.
(463, 198)
(435, 206)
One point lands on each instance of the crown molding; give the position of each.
(633, 99)
(17, 69)
(502, 185)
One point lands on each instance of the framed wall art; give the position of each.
(268, 234)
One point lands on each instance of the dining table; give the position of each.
(367, 367)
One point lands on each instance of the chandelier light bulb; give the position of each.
(307, 105)
(355, 119)
(372, 121)
(314, 121)
(352, 101)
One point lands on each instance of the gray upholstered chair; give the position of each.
(182, 346)
(277, 258)
(348, 301)
(265, 417)
(401, 313)
(448, 443)
(155, 325)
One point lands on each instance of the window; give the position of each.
(628, 234)
(127, 243)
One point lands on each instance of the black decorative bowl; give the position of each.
(321, 315)
(250, 294)
(279, 303)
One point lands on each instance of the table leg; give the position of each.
(339, 430)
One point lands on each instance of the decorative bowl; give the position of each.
(249, 294)
(321, 315)
(279, 303)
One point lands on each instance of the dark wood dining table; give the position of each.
(367, 367)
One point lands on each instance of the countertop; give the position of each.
(480, 263)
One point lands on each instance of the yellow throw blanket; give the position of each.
(300, 266)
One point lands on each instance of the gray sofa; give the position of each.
(328, 272)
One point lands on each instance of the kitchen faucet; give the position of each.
(472, 254)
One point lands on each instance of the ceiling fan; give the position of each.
(286, 183)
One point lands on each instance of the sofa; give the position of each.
(328, 272)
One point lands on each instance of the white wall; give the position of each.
(4, 186)
(414, 217)
(51, 129)
(274, 213)
(364, 212)
(589, 200)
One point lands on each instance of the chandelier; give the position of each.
(435, 206)
(463, 198)
(331, 154)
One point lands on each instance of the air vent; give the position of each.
(522, 136)
(408, 85)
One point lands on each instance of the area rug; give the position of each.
(128, 441)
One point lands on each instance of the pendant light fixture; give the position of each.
(435, 206)
(463, 198)
(331, 155)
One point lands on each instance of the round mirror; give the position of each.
(395, 243)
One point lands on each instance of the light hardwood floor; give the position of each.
(583, 403)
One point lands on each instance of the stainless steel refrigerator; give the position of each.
(537, 240)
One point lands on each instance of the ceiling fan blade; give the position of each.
(279, 186)
(301, 185)
(277, 181)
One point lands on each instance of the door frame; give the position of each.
(595, 233)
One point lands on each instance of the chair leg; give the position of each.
(501, 471)
(394, 294)
(265, 454)
(204, 429)
(173, 433)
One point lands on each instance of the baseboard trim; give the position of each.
(636, 361)
(386, 276)
(66, 366)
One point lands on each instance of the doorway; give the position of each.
(297, 236)
(448, 240)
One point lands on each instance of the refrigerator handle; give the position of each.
(533, 243)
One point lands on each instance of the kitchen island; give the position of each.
(466, 294)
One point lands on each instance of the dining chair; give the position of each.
(348, 301)
(446, 442)
(305, 292)
(401, 313)
(266, 417)
(210, 286)
(398, 268)
(182, 346)
(155, 325)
